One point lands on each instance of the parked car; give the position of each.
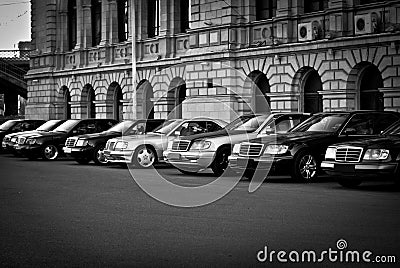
(88, 147)
(11, 140)
(145, 150)
(18, 125)
(191, 154)
(376, 158)
(302, 149)
(49, 145)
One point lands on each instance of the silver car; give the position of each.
(195, 153)
(145, 150)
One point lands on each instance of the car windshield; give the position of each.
(49, 125)
(247, 123)
(393, 130)
(322, 123)
(121, 127)
(66, 126)
(167, 127)
(7, 125)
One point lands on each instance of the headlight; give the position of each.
(81, 143)
(31, 141)
(200, 145)
(376, 154)
(330, 153)
(121, 145)
(169, 147)
(6, 138)
(276, 149)
(236, 149)
(14, 140)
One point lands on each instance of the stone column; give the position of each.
(105, 22)
(86, 26)
(391, 98)
(80, 24)
(113, 19)
(63, 32)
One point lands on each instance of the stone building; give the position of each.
(211, 57)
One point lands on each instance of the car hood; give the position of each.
(290, 137)
(51, 134)
(146, 137)
(22, 133)
(104, 134)
(385, 142)
(210, 135)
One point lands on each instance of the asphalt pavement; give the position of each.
(64, 214)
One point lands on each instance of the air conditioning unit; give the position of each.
(309, 31)
(366, 23)
(305, 32)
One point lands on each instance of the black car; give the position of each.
(11, 140)
(85, 148)
(49, 145)
(18, 125)
(302, 149)
(366, 159)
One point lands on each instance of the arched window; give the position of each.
(153, 18)
(96, 22)
(265, 9)
(67, 105)
(91, 106)
(315, 5)
(312, 99)
(123, 20)
(72, 24)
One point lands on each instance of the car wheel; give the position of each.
(349, 183)
(50, 152)
(305, 167)
(220, 163)
(98, 156)
(82, 161)
(144, 157)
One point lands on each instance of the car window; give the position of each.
(322, 123)
(151, 125)
(84, 127)
(7, 125)
(23, 126)
(212, 126)
(368, 124)
(138, 129)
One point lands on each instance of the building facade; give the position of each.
(211, 57)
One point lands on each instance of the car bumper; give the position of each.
(274, 164)
(190, 161)
(78, 153)
(118, 156)
(358, 169)
(8, 146)
(28, 150)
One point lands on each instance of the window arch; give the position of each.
(66, 103)
(90, 103)
(96, 22)
(72, 24)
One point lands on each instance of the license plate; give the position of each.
(345, 168)
(174, 156)
(67, 150)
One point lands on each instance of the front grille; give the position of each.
(70, 142)
(180, 145)
(348, 154)
(110, 145)
(21, 140)
(250, 149)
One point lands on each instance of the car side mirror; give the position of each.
(350, 131)
(269, 130)
(177, 133)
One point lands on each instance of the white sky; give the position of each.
(15, 23)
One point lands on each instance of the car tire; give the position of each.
(50, 152)
(220, 163)
(82, 161)
(350, 183)
(305, 168)
(144, 157)
(97, 156)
